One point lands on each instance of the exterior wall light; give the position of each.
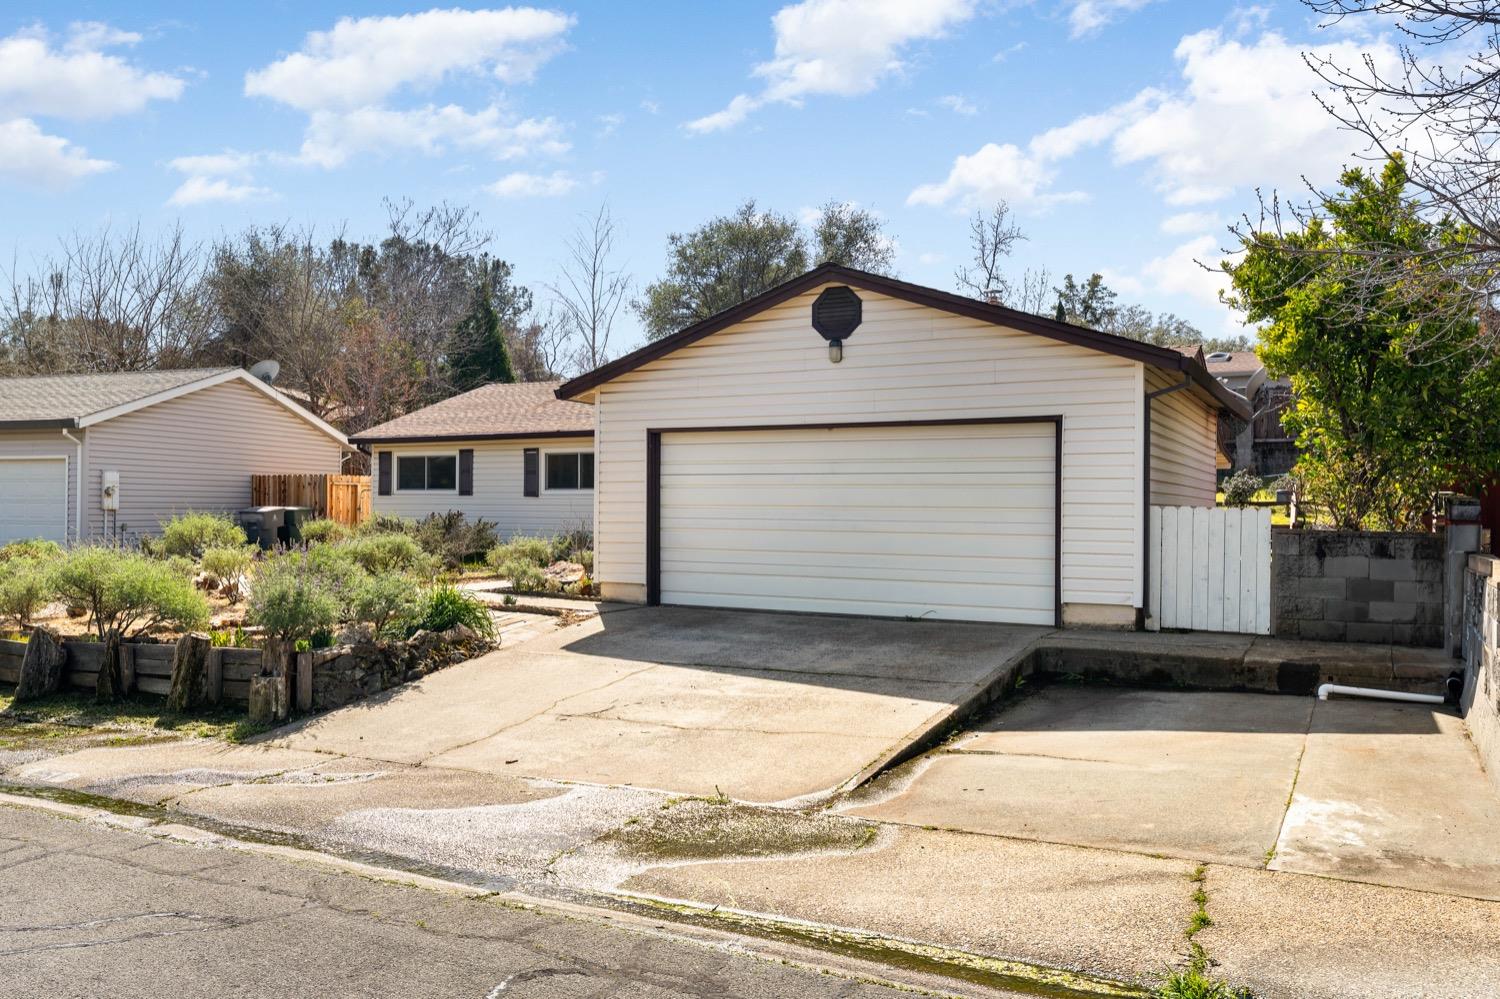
(835, 351)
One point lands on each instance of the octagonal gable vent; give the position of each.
(836, 313)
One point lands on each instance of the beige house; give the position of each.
(850, 443)
(512, 454)
(113, 455)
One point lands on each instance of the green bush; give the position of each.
(385, 523)
(292, 598)
(532, 551)
(444, 607)
(323, 531)
(39, 549)
(382, 553)
(585, 558)
(125, 593)
(26, 586)
(383, 600)
(191, 534)
(229, 566)
(523, 576)
(453, 540)
(1241, 487)
(567, 546)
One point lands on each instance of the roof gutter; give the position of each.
(78, 485)
(361, 440)
(61, 423)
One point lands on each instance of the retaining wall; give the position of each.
(147, 667)
(1481, 651)
(1357, 586)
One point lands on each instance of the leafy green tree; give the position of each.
(721, 264)
(479, 355)
(1392, 404)
(1089, 303)
(847, 234)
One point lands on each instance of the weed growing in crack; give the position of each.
(1193, 982)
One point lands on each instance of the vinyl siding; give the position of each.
(497, 488)
(46, 444)
(197, 452)
(905, 362)
(1184, 445)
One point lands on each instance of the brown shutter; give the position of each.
(531, 478)
(466, 472)
(385, 473)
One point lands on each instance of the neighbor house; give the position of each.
(850, 443)
(1261, 443)
(113, 455)
(512, 454)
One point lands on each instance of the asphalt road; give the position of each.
(93, 911)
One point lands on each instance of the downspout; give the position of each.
(78, 486)
(1151, 397)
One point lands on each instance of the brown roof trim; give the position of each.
(438, 438)
(61, 423)
(1162, 357)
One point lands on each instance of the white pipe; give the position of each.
(1385, 695)
(78, 479)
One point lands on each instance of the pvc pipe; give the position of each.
(1385, 695)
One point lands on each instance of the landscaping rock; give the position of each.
(262, 707)
(42, 666)
(564, 573)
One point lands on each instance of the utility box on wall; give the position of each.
(109, 491)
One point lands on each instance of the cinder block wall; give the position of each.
(1481, 646)
(1357, 586)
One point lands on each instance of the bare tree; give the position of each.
(1035, 294)
(991, 237)
(541, 348)
(590, 290)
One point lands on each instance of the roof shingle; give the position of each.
(525, 409)
(59, 398)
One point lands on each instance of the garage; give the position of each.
(33, 499)
(951, 520)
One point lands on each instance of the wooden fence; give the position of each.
(344, 498)
(147, 668)
(1210, 569)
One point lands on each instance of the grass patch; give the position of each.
(1194, 981)
(55, 721)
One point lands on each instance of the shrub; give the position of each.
(26, 586)
(39, 549)
(444, 607)
(532, 551)
(228, 567)
(566, 547)
(126, 593)
(1241, 487)
(385, 523)
(523, 576)
(585, 558)
(291, 597)
(382, 600)
(382, 553)
(453, 540)
(322, 531)
(191, 534)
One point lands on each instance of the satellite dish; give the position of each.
(266, 371)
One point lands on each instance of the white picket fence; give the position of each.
(1210, 569)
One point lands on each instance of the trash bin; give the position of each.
(264, 525)
(293, 517)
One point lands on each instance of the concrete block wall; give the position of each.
(1480, 703)
(1357, 586)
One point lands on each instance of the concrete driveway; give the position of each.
(1371, 791)
(756, 706)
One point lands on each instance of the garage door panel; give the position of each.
(949, 522)
(33, 499)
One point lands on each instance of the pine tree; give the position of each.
(479, 353)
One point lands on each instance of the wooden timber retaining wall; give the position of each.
(147, 668)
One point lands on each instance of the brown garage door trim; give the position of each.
(653, 483)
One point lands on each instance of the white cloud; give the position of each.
(610, 123)
(212, 177)
(651, 107)
(30, 156)
(993, 173)
(334, 137)
(362, 61)
(530, 185)
(1088, 16)
(1186, 222)
(77, 80)
(958, 104)
(819, 52)
(1181, 271)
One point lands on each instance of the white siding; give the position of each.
(46, 444)
(498, 488)
(904, 362)
(197, 452)
(1184, 444)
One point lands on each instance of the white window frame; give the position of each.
(67, 534)
(580, 491)
(396, 457)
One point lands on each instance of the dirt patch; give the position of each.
(64, 723)
(689, 829)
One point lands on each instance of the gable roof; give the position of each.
(40, 402)
(490, 412)
(1162, 357)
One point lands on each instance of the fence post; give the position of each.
(127, 667)
(304, 681)
(213, 675)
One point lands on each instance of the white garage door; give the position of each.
(924, 521)
(33, 499)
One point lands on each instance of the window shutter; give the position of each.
(385, 473)
(531, 479)
(466, 472)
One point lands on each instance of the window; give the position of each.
(570, 470)
(432, 472)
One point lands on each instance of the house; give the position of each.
(851, 443)
(97, 456)
(513, 454)
(1261, 443)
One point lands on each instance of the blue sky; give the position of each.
(1124, 133)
